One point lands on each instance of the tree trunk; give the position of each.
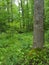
(11, 11)
(38, 23)
(27, 16)
(23, 16)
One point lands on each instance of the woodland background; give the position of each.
(16, 33)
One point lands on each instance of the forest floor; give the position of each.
(14, 46)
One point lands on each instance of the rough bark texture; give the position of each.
(38, 23)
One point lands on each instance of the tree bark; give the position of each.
(38, 23)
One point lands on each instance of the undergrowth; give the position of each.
(16, 49)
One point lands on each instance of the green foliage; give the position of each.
(39, 57)
(11, 13)
(15, 49)
(47, 38)
(46, 18)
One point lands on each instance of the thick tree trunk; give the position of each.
(38, 23)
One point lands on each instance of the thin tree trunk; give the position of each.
(11, 10)
(38, 23)
(8, 10)
(27, 16)
(22, 7)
